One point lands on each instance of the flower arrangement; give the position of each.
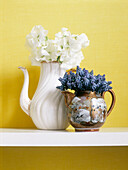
(65, 48)
(83, 80)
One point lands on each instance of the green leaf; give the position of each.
(58, 58)
(75, 37)
(46, 38)
(68, 42)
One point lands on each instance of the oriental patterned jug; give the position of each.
(87, 111)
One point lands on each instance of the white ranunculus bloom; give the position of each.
(65, 48)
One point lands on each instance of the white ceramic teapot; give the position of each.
(47, 107)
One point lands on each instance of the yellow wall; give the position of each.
(106, 24)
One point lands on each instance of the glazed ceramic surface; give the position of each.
(47, 108)
(87, 111)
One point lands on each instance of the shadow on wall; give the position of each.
(12, 114)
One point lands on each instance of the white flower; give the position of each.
(65, 48)
(83, 40)
(38, 42)
(51, 50)
(69, 47)
(37, 37)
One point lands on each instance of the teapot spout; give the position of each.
(24, 99)
(68, 97)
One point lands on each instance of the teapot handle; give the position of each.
(113, 101)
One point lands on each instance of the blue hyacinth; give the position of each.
(84, 80)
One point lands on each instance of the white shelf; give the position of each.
(26, 137)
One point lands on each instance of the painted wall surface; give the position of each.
(104, 22)
(106, 25)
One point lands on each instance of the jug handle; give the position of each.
(113, 101)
